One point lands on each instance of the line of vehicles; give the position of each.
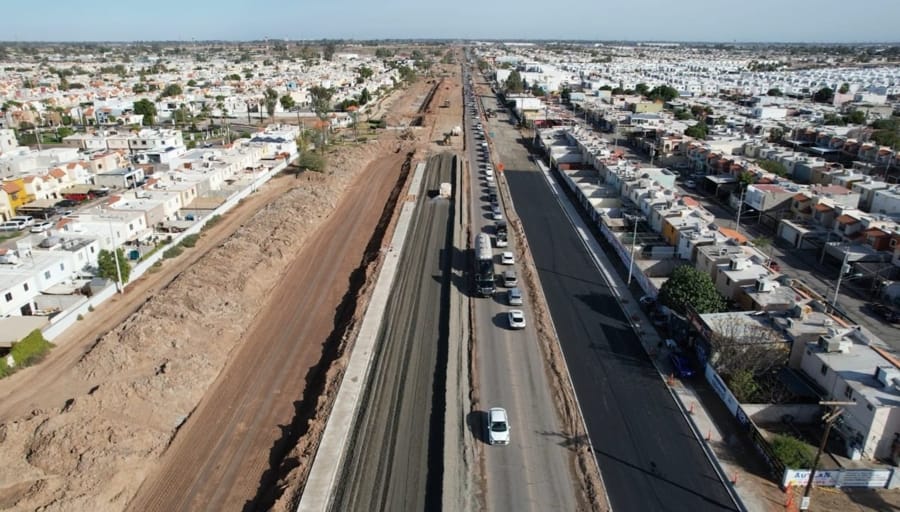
(486, 280)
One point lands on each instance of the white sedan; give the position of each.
(516, 319)
(506, 258)
(40, 227)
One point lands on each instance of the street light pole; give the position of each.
(843, 271)
(633, 240)
(737, 226)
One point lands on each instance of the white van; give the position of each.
(26, 220)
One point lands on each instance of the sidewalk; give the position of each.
(750, 492)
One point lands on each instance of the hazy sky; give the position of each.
(669, 20)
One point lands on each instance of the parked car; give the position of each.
(516, 319)
(27, 220)
(885, 312)
(647, 302)
(12, 225)
(66, 203)
(496, 213)
(690, 184)
(498, 426)
(41, 226)
(681, 365)
(507, 258)
(514, 297)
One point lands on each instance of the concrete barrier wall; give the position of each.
(775, 413)
(64, 320)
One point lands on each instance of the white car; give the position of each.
(496, 213)
(498, 426)
(506, 258)
(516, 319)
(41, 226)
(490, 178)
(12, 225)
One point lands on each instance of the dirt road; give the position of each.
(248, 414)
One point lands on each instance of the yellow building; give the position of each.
(18, 196)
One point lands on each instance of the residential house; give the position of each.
(886, 201)
(739, 271)
(852, 365)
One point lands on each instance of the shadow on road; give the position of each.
(501, 320)
(567, 441)
(476, 420)
(652, 471)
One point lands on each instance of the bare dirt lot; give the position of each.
(218, 348)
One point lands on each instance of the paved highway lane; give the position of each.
(535, 471)
(645, 449)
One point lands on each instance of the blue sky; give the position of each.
(670, 20)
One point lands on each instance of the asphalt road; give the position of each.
(534, 472)
(394, 459)
(646, 451)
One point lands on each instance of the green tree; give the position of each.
(192, 83)
(106, 262)
(775, 92)
(365, 96)
(271, 100)
(824, 95)
(698, 131)
(844, 88)
(514, 82)
(663, 93)
(641, 89)
(320, 100)
(328, 51)
(311, 161)
(856, 117)
(743, 384)
(147, 109)
(688, 285)
(139, 88)
(364, 73)
(383, 53)
(792, 452)
(774, 167)
(565, 96)
(287, 102)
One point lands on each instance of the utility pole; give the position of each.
(115, 251)
(635, 220)
(825, 246)
(740, 207)
(844, 269)
(829, 419)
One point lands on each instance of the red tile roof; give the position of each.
(822, 207)
(846, 219)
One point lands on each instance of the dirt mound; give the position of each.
(148, 375)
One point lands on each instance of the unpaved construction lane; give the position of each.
(394, 459)
(223, 457)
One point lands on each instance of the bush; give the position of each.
(792, 452)
(212, 221)
(30, 349)
(743, 385)
(173, 252)
(190, 241)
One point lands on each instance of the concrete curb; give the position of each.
(318, 491)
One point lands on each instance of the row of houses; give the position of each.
(139, 212)
(837, 360)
